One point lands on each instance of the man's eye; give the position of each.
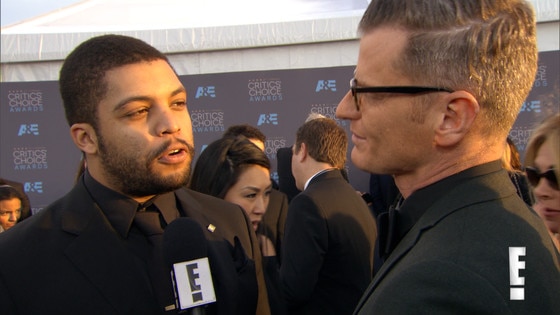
(180, 104)
(137, 113)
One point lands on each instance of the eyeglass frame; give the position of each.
(355, 90)
(534, 177)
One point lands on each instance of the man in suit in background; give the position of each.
(330, 232)
(97, 250)
(436, 89)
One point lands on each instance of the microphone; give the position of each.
(185, 250)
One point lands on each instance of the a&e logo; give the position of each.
(326, 85)
(205, 91)
(33, 187)
(268, 119)
(28, 129)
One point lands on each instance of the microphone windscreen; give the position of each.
(183, 240)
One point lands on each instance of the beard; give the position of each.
(132, 171)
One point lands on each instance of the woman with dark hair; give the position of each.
(236, 170)
(10, 207)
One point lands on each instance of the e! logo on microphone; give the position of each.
(194, 283)
(516, 291)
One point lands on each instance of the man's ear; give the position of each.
(84, 138)
(302, 153)
(457, 119)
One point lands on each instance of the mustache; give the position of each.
(165, 147)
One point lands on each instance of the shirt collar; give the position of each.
(317, 174)
(419, 201)
(120, 209)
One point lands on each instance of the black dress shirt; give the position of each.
(120, 211)
(394, 224)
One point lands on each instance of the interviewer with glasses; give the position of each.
(436, 90)
(542, 165)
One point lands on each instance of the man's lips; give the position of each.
(357, 138)
(173, 155)
(550, 212)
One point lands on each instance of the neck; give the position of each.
(442, 167)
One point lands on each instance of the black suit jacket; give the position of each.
(67, 259)
(274, 220)
(328, 248)
(286, 180)
(455, 259)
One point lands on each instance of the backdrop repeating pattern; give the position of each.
(36, 148)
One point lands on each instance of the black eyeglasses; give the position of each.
(391, 89)
(534, 177)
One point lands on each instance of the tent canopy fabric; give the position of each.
(209, 36)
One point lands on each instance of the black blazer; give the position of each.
(67, 259)
(286, 180)
(455, 259)
(274, 220)
(328, 248)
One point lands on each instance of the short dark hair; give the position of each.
(488, 48)
(326, 141)
(219, 166)
(8, 192)
(246, 130)
(82, 76)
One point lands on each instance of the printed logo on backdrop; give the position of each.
(272, 145)
(268, 119)
(33, 187)
(25, 101)
(543, 101)
(520, 136)
(326, 85)
(28, 129)
(540, 78)
(205, 91)
(329, 111)
(30, 159)
(207, 121)
(265, 90)
(274, 176)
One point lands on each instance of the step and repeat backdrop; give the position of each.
(37, 151)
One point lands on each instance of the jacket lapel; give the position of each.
(455, 200)
(99, 254)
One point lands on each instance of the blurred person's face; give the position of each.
(10, 212)
(145, 141)
(252, 192)
(548, 197)
(388, 135)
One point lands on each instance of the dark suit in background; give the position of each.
(274, 220)
(383, 192)
(286, 181)
(68, 259)
(328, 247)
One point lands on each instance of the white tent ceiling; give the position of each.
(205, 36)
